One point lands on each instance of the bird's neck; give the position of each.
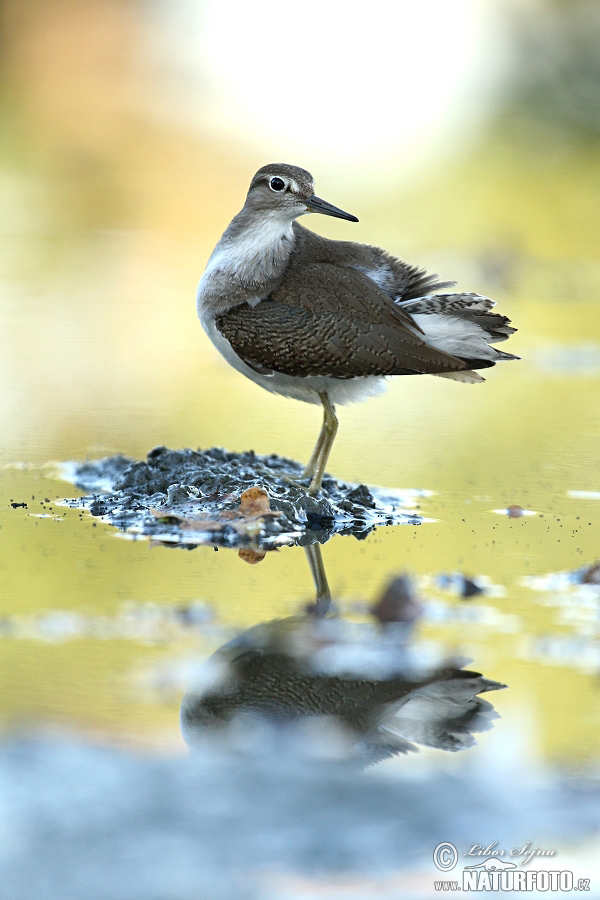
(247, 263)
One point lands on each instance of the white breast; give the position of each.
(247, 259)
(242, 261)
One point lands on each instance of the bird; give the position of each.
(327, 321)
(280, 672)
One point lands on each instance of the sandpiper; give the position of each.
(328, 321)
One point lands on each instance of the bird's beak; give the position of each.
(316, 205)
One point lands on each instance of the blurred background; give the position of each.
(466, 138)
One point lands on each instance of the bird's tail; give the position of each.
(445, 712)
(464, 326)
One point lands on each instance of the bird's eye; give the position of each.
(277, 184)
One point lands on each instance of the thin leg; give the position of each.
(323, 596)
(330, 427)
(311, 465)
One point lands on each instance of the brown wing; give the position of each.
(401, 280)
(327, 320)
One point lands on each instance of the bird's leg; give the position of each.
(311, 465)
(329, 431)
(309, 469)
(323, 594)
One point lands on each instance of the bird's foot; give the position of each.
(300, 480)
(308, 483)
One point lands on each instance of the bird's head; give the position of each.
(288, 192)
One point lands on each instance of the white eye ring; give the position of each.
(277, 184)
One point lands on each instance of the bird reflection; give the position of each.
(366, 681)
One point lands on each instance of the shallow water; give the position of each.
(103, 633)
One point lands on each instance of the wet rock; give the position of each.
(467, 587)
(95, 474)
(398, 603)
(201, 485)
(591, 575)
(470, 588)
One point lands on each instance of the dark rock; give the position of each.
(470, 588)
(199, 484)
(398, 603)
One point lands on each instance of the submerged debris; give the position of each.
(591, 574)
(194, 497)
(467, 586)
(514, 511)
(470, 588)
(586, 578)
(398, 603)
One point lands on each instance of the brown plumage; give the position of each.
(271, 671)
(325, 321)
(327, 317)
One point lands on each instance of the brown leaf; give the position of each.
(254, 503)
(251, 556)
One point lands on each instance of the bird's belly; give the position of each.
(307, 389)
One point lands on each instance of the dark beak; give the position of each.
(316, 205)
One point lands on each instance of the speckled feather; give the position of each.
(328, 317)
(272, 683)
(306, 317)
